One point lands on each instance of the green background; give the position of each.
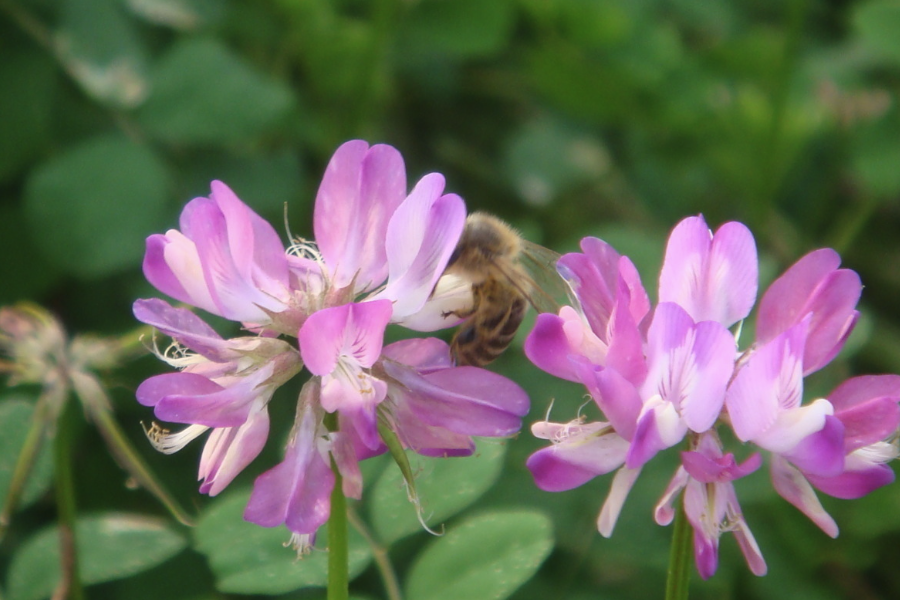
(612, 118)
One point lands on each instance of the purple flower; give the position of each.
(225, 259)
(812, 286)
(223, 385)
(710, 503)
(865, 420)
(377, 258)
(675, 372)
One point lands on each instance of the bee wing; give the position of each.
(547, 292)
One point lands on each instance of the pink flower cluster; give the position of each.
(660, 375)
(325, 305)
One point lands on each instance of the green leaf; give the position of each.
(25, 108)
(878, 23)
(249, 559)
(15, 421)
(203, 93)
(445, 487)
(456, 28)
(92, 206)
(485, 557)
(101, 50)
(110, 546)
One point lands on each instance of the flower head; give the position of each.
(674, 372)
(325, 305)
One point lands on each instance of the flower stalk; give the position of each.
(69, 586)
(678, 575)
(338, 553)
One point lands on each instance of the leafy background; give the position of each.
(612, 118)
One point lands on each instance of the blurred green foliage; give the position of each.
(612, 118)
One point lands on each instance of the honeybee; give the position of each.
(493, 257)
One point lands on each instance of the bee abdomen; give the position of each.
(484, 337)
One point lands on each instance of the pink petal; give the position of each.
(658, 428)
(597, 278)
(465, 400)
(865, 424)
(854, 484)
(426, 439)
(184, 327)
(593, 284)
(615, 396)
(579, 453)
(226, 407)
(618, 492)
(821, 453)
(154, 389)
(162, 276)
(793, 487)
(359, 192)
(664, 512)
(786, 300)
(548, 347)
(689, 365)
(296, 491)
(351, 330)
(713, 277)
(424, 354)
(770, 382)
(345, 458)
(626, 345)
(859, 390)
(230, 449)
(257, 250)
(813, 285)
(421, 236)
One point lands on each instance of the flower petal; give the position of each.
(227, 406)
(814, 285)
(230, 449)
(769, 383)
(579, 453)
(465, 400)
(351, 330)
(548, 347)
(791, 485)
(421, 236)
(297, 491)
(359, 192)
(689, 365)
(820, 453)
(618, 492)
(850, 485)
(714, 278)
(424, 354)
(184, 327)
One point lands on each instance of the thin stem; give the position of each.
(380, 554)
(64, 449)
(338, 553)
(24, 465)
(129, 459)
(679, 572)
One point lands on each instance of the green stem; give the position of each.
(64, 449)
(679, 573)
(129, 459)
(24, 464)
(381, 557)
(338, 554)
